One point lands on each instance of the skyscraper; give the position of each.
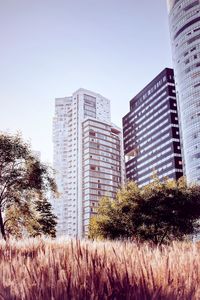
(87, 166)
(184, 20)
(151, 132)
(103, 165)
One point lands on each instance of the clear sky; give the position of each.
(50, 48)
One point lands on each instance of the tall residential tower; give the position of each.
(88, 158)
(184, 20)
(151, 132)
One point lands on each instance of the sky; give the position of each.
(51, 48)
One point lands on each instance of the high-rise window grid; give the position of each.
(151, 132)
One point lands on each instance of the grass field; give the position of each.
(64, 269)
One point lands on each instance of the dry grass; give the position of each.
(44, 269)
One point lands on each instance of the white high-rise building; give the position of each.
(184, 20)
(86, 164)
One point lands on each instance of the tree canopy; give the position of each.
(159, 212)
(25, 184)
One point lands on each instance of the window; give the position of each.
(92, 133)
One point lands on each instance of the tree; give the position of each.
(24, 181)
(46, 219)
(30, 219)
(20, 220)
(159, 212)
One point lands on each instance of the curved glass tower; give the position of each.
(184, 20)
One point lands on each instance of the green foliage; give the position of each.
(46, 219)
(24, 181)
(21, 220)
(159, 212)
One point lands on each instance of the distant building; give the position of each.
(88, 158)
(151, 132)
(184, 20)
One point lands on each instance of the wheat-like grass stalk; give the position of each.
(72, 269)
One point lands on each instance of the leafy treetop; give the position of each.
(159, 212)
(24, 182)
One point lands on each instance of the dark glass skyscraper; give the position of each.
(151, 132)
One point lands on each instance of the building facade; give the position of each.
(103, 166)
(151, 132)
(184, 21)
(70, 149)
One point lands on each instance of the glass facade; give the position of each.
(151, 132)
(184, 20)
